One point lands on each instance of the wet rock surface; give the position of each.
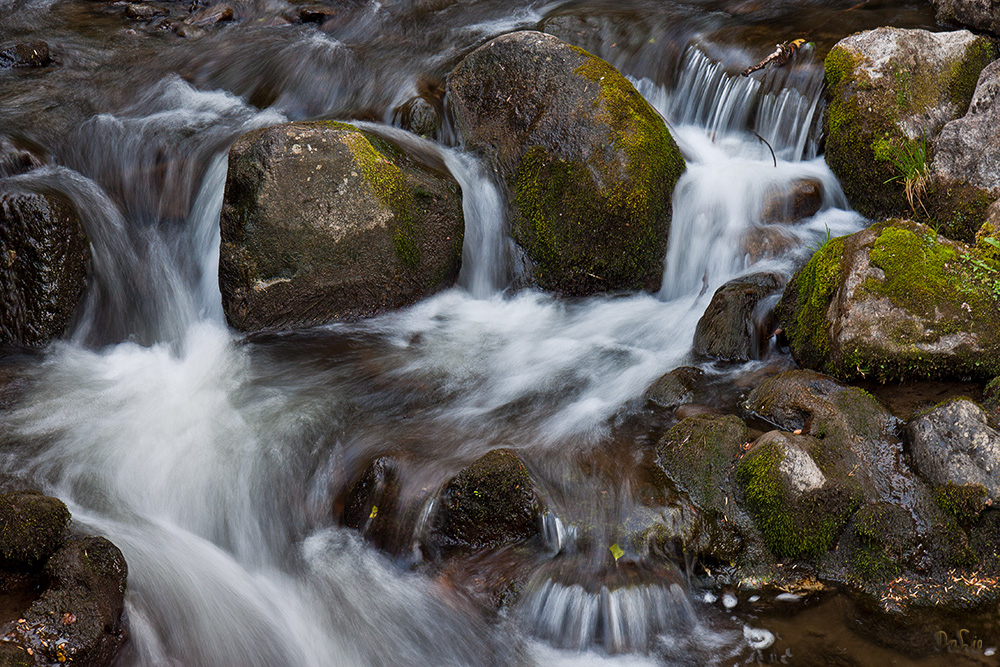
(323, 222)
(895, 301)
(44, 266)
(675, 388)
(68, 589)
(489, 504)
(802, 199)
(588, 164)
(955, 443)
(733, 327)
(28, 54)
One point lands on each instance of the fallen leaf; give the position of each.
(68, 619)
(616, 551)
(374, 512)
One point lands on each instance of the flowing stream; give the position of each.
(215, 462)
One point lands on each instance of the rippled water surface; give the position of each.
(216, 463)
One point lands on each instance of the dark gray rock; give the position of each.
(955, 443)
(589, 166)
(138, 11)
(44, 262)
(78, 618)
(732, 328)
(210, 15)
(28, 54)
(419, 116)
(977, 14)
(675, 388)
(15, 159)
(321, 221)
(32, 526)
(489, 504)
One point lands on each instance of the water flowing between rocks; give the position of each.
(214, 462)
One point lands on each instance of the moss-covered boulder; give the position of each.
(32, 527)
(489, 504)
(77, 619)
(955, 444)
(735, 326)
(588, 164)
(321, 221)
(799, 491)
(880, 542)
(44, 264)
(698, 456)
(896, 301)
(891, 91)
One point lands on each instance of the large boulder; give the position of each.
(588, 164)
(489, 504)
(891, 92)
(321, 221)
(731, 327)
(896, 301)
(44, 262)
(955, 444)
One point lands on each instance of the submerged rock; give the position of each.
(44, 262)
(489, 504)
(675, 388)
(896, 301)
(955, 443)
(802, 199)
(891, 92)
(588, 164)
(372, 504)
(321, 221)
(15, 159)
(28, 54)
(732, 327)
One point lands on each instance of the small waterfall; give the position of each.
(488, 248)
(783, 106)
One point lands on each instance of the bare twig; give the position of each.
(773, 158)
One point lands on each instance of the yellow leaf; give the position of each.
(616, 551)
(374, 512)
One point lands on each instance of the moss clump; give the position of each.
(698, 453)
(806, 300)
(839, 65)
(883, 534)
(961, 502)
(964, 74)
(388, 182)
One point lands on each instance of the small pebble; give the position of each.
(754, 598)
(788, 597)
(758, 638)
(729, 600)
(709, 597)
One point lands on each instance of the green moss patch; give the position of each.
(806, 300)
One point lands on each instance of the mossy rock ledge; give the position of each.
(976, 14)
(896, 301)
(589, 166)
(321, 222)
(890, 93)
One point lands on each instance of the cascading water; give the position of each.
(214, 464)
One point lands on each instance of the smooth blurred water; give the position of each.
(214, 463)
